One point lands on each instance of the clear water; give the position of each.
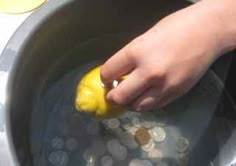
(179, 133)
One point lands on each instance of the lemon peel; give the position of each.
(91, 96)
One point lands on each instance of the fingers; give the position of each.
(117, 66)
(147, 100)
(130, 88)
(153, 99)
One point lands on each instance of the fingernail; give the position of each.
(110, 99)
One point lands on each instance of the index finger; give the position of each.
(117, 66)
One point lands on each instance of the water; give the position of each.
(65, 137)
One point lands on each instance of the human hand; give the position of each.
(166, 61)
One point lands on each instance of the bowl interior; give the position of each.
(71, 40)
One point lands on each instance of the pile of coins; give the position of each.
(133, 140)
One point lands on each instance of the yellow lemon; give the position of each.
(91, 96)
(19, 6)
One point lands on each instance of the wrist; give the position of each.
(221, 16)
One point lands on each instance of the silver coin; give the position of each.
(146, 163)
(113, 123)
(117, 151)
(148, 124)
(126, 126)
(106, 161)
(121, 153)
(117, 131)
(111, 144)
(89, 155)
(58, 158)
(136, 122)
(132, 130)
(162, 163)
(182, 145)
(125, 123)
(155, 155)
(128, 140)
(148, 147)
(98, 147)
(71, 144)
(158, 134)
(57, 143)
(139, 162)
(135, 162)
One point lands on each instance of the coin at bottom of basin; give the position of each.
(58, 158)
(158, 134)
(113, 123)
(155, 155)
(162, 163)
(182, 145)
(98, 147)
(57, 143)
(89, 155)
(142, 136)
(128, 140)
(71, 144)
(136, 122)
(139, 162)
(119, 153)
(106, 161)
(148, 147)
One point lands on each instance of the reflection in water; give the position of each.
(176, 135)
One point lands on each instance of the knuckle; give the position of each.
(104, 73)
(134, 49)
(119, 99)
(152, 76)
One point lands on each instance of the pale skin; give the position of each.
(169, 59)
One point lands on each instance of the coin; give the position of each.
(89, 156)
(142, 136)
(57, 143)
(148, 124)
(113, 123)
(154, 155)
(71, 144)
(135, 162)
(136, 122)
(58, 158)
(132, 130)
(162, 163)
(138, 162)
(148, 147)
(117, 151)
(146, 163)
(117, 131)
(182, 145)
(111, 144)
(125, 123)
(121, 154)
(98, 147)
(158, 134)
(106, 161)
(128, 140)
